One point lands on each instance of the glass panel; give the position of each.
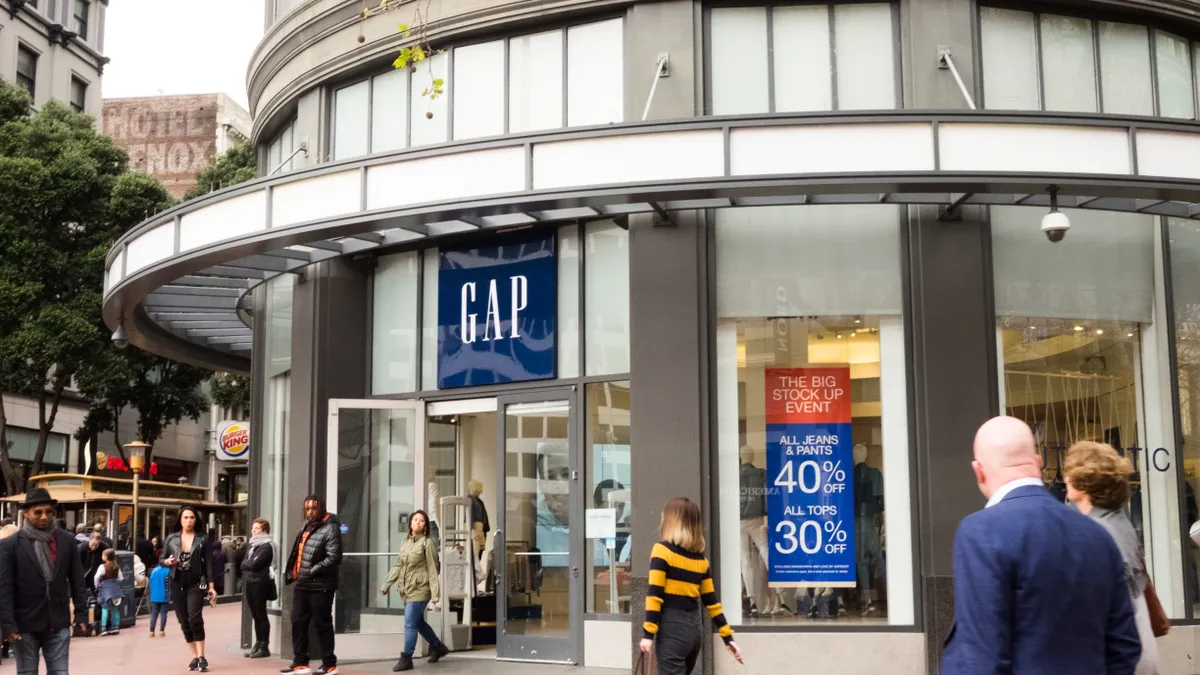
(441, 467)
(389, 111)
(1069, 64)
(1103, 269)
(350, 121)
(606, 286)
(428, 120)
(376, 472)
(394, 332)
(1010, 72)
(429, 320)
(568, 301)
(277, 404)
(1125, 69)
(739, 60)
(535, 84)
(611, 479)
(815, 291)
(538, 521)
(1185, 280)
(286, 147)
(478, 85)
(803, 79)
(865, 47)
(1176, 98)
(595, 86)
(155, 522)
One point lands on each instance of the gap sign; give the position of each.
(497, 312)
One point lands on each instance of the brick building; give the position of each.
(173, 137)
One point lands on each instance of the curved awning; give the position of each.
(177, 283)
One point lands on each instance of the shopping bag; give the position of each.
(646, 664)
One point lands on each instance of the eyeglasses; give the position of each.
(41, 513)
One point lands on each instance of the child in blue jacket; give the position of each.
(160, 597)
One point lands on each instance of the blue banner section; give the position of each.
(810, 504)
(497, 312)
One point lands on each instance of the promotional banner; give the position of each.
(810, 465)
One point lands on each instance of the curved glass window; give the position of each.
(803, 58)
(546, 80)
(1035, 61)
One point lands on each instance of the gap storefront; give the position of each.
(792, 293)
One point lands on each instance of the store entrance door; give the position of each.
(376, 454)
(539, 551)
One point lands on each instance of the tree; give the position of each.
(231, 392)
(161, 391)
(65, 196)
(236, 165)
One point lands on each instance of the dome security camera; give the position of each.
(1055, 225)
(119, 338)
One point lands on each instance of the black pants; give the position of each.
(256, 601)
(677, 645)
(189, 609)
(315, 608)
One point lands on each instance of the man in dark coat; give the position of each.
(312, 572)
(41, 575)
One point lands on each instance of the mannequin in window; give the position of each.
(868, 520)
(479, 516)
(753, 490)
(432, 504)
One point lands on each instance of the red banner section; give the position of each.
(818, 395)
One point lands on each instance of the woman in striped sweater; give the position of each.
(679, 582)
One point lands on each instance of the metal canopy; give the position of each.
(193, 305)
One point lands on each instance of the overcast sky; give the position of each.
(180, 46)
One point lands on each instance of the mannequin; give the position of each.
(432, 504)
(479, 516)
(868, 520)
(753, 484)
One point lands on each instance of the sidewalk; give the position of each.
(134, 652)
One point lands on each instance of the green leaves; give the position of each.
(236, 165)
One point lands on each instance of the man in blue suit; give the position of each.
(1038, 588)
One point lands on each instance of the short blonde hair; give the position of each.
(682, 526)
(1100, 472)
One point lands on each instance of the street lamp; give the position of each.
(136, 452)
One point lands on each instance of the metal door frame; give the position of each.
(539, 649)
(420, 491)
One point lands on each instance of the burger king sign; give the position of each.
(233, 441)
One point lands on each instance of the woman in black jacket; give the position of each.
(258, 584)
(189, 556)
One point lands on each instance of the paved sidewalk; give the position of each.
(134, 652)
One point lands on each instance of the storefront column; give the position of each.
(667, 362)
(955, 391)
(329, 360)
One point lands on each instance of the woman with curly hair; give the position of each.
(1097, 480)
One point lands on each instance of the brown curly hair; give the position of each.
(1100, 472)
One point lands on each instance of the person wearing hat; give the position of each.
(40, 577)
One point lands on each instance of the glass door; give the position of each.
(539, 552)
(376, 453)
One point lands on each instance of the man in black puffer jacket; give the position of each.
(312, 571)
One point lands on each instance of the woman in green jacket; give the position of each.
(415, 575)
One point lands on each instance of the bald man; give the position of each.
(1038, 588)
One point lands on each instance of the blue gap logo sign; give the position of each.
(498, 312)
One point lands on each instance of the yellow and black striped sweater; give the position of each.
(679, 580)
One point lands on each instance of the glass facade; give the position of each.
(610, 482)
(1082, 337)
(277, 403)
(803, 58)
(1184, 237)
(812, 289)
(534, 82)
(1038, 61)
(280, 149)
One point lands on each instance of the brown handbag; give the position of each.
(646, 664)
(1159, 622)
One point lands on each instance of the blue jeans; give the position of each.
(158, 614)
(414, 624)
(54, 645)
